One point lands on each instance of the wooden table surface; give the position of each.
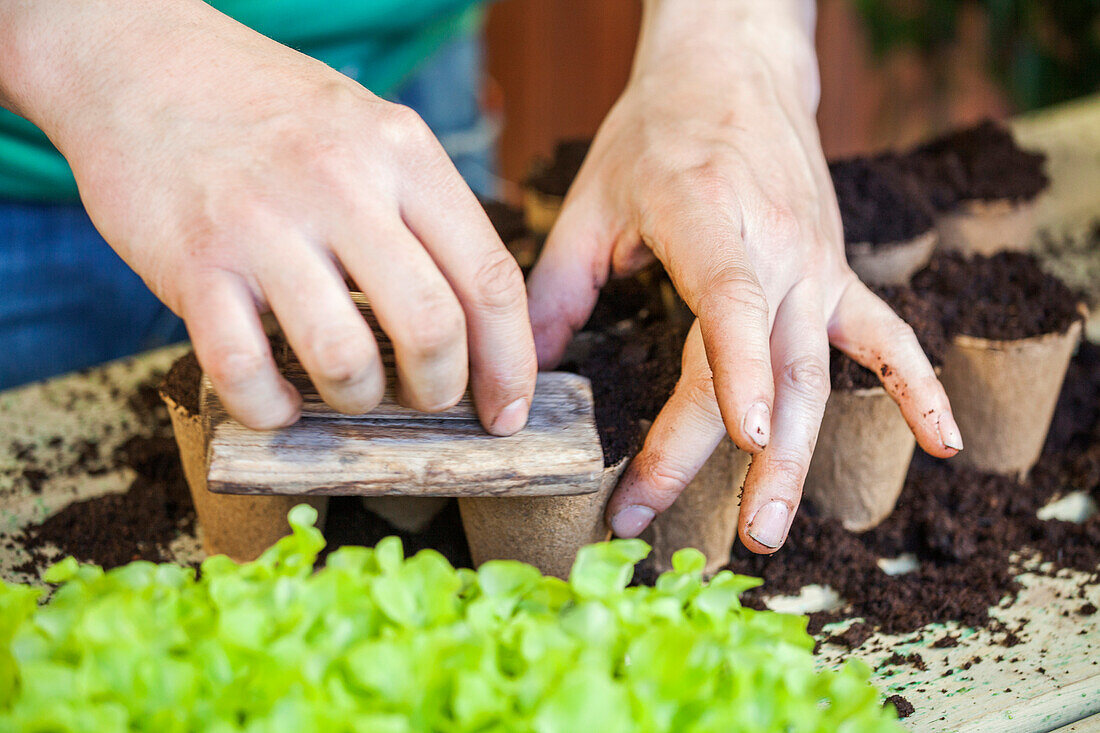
(1050, 681)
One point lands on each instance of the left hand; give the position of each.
(710, 162)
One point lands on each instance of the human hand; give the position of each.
(710, 162)
(238, 176)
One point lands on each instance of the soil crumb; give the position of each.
(903, 706)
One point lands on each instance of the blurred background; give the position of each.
(892, 71)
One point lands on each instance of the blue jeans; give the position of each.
(67, 301)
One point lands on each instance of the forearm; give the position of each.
(71, 67)
(717, 40)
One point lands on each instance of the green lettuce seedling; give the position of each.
(378, 642)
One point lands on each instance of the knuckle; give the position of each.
(898, 332)
(781, 223)
(234, 368)
(664, 477)
(788, 471)
(403, 127)
(436, 326)
(710, 180)
(699, 391)
(735, 288)
(807, 376)
(339, 355)
(499, 283)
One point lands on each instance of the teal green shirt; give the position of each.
(377, 42)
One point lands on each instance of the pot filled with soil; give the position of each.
(548, 182)
(241, 527)
(864, 447)
(705, 515)
(630, 351)
(889, 231)
(1012, 329)
(984, 188)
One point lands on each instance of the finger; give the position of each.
(685, 433)
(773, 487)
(713, 273)
(328, 334)
(414, 305)
(230, 344)
(566, 280)
(489, 285)
(867, 330)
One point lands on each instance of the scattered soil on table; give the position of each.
(982, 162)
(1003, 296)
(853, 636)
(553, 177)
(903, 706)
(878, 203)
(919, 312)
(115, 529)
(963, 527)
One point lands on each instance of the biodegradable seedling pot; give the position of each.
(241, 527)
(1003, 395)
(705, 515)
(544, 531)
(985, 227)
(861, 458)
(540, 210)
(893, 263)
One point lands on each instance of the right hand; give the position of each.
(237, 176)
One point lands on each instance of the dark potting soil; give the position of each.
(553, 177)
(962, 525)
(1003, 296)
(982, 163)
(505, 218)
(919, 312)
(181, 383)
(633, 367)
(879, 204)
(350, 523)
(115, 529)
(903, 706)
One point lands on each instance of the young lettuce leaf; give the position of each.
(375, 641)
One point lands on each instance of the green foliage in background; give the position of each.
(376, 642)
(1042, 51)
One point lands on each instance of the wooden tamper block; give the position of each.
(394, 450)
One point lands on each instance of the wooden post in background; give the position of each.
(559, 65)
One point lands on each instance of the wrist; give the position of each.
(718, 41)
(72, 68)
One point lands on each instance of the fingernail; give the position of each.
(769, 526)
(949, 432)
(511, 419)
(757, 423)
(630, 521)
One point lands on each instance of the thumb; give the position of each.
(565, 282)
